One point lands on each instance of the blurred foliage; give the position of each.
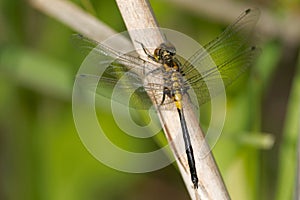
(42, 156)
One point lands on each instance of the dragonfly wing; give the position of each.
(123, 91)
(222, 59)
(129, 60)
(236, 36)
(123, 86)
(124, 74)
(207, 85)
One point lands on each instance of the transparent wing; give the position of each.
(226, 57)
(129, 61)
(119, 89)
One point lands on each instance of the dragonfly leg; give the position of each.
(147, 52)
(166, 92)
(164, 96)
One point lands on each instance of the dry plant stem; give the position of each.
(74, 17)
(137, 14)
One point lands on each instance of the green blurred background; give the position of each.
(43, 158)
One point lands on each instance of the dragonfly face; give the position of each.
(165, 53)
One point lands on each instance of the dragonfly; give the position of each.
(232, 53)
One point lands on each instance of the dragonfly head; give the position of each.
(165, 53)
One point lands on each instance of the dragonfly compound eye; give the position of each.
(168, 47)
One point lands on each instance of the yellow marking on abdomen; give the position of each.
(177, 99)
